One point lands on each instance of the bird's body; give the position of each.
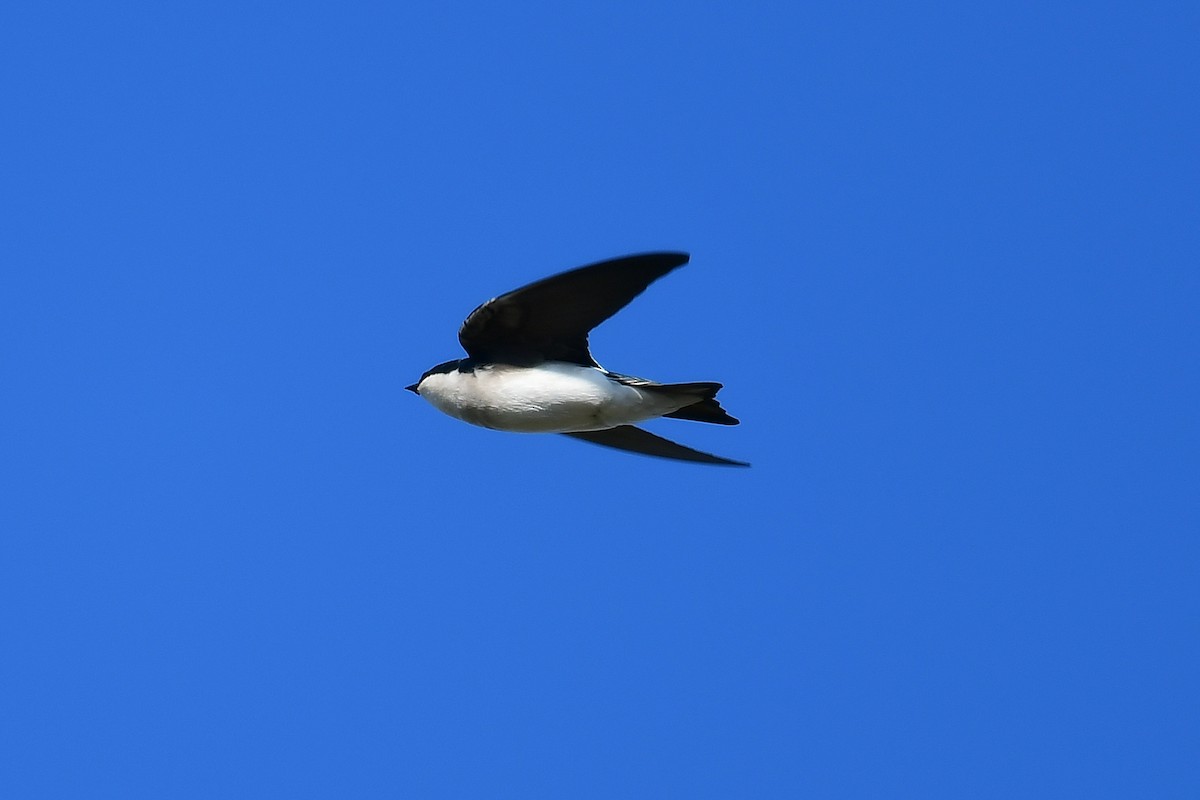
(552, 397)
(529, 369)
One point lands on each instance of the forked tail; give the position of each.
(705, 409)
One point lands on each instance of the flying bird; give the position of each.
(528, 368)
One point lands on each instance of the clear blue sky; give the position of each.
(945, 258)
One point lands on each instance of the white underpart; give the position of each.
(554, 397)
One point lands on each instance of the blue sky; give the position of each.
(944, 258)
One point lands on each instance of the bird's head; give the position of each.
(441, 369)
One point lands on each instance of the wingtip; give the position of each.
(638, 440)
(664, 259)
(679, 256)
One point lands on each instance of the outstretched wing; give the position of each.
(551, 318)
(636, 440)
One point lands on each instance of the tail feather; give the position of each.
(705, 409)
(708, 410)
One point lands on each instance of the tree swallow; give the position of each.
(528, 368)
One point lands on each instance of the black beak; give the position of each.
(413, 388)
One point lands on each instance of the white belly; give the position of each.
(554, 397)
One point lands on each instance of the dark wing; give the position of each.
(550, 319)
(636, 440)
